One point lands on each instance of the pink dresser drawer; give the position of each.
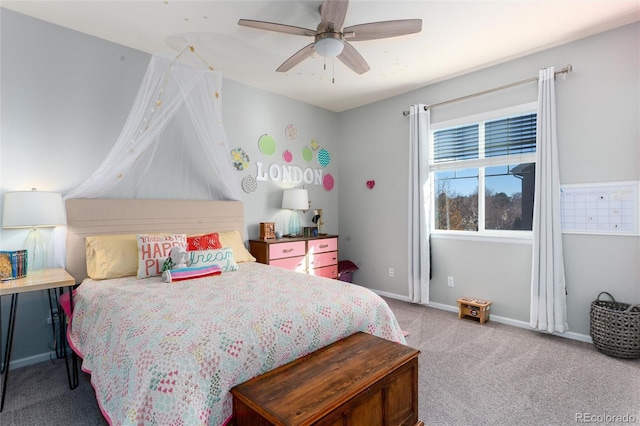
(323, 245)
(291, 263)
(280, 250)
(321, 260)
(327, 271)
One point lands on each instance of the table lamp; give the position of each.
(294, 200)
(33, 209)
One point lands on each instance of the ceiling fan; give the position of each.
(330, 38)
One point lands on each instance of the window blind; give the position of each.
(510, 136)
(503, 137)
(455, 144)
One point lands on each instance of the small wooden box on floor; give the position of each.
(361, 380)
(476, 308)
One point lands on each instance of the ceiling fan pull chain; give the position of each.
(333, 70)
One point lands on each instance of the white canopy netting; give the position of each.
(173, 144)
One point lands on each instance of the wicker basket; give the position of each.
(615, 327)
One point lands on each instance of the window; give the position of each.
(493, 156)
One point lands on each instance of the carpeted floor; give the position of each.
(496, 374)
(470, 374)
(39, 394)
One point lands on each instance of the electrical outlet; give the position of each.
(54, 314)
(450, 281)
(391, 272)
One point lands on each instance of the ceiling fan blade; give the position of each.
(351, 58)
(383, 29)
(297, 57)
(332, 13)
(279, 28)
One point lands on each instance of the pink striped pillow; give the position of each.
(182, 274)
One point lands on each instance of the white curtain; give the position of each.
(548, 296)
(172, 146)
(419, 196)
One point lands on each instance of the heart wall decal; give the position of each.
(371, 184)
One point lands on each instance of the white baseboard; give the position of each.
(391, 295)
(496, 318)
(35, 359)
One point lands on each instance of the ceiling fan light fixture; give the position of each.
(328, 45)
(332, 39)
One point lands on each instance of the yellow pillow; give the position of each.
(232, 239)
(111, 256)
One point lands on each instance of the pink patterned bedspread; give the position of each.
(168, 353)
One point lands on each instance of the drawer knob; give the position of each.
(287, 250)
(323, 245)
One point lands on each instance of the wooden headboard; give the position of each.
(98, 216)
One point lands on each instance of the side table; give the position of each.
(45, 279)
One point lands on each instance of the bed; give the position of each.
(168, 353)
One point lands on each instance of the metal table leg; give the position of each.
(72, 374)
(8, 346)
(58, 349)
(61, 348)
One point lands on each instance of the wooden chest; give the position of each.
(360, 380)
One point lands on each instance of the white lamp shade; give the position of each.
(295, 199)
(27, 209)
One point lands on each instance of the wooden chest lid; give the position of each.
(304, 389)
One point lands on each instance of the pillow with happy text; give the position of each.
(153, 251)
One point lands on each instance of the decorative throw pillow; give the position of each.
(111, 256)
(222, 257)
(234, 240)
(182, 274)
(153, 250)
(203, 242)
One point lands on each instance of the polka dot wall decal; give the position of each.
(328, 182)
(287, 156)
(291, 132)
(249, 184)
(307, 154)
(240, 159)
(324, 158)
(267, 145)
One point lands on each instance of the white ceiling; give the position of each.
(457, 37)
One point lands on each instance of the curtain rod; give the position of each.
(565, 70)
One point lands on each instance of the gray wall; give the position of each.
(65, 97)
(598, 130)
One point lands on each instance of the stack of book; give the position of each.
(13, 264)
